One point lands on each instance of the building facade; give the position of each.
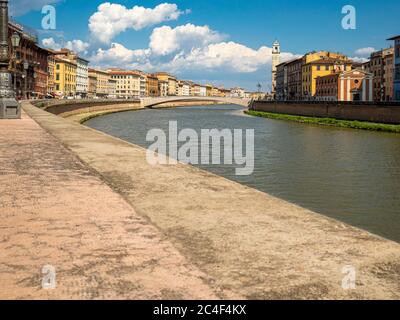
(199, 90)
(381, 65)
(163, 87)
(172, 82)
(294, 79)
(102, 82)
(216, 92)
(237, 92)
(396, 71)
(50, 70)
(353, 85)
(82, 77)
(152, 86)
(92, 85)
(28, 63)
(388, 77)
(281, 81)
(142, 83)
(65, 77)
(112, 88)
(128, 83)
(320, 64)
(184, 88)
(82, 71)
(209, 89)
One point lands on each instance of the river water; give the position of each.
(350, 175)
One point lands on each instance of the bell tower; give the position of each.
(276, 59)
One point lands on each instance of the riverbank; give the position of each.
(83, 113)
(328, 121)
(57, 211)
(373, 112)
(246, 241)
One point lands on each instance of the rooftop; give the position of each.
(328, 60)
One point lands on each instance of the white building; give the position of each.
(237, 93)
(163, 87)
(276, 60)
(112, 88)
(199, 90)
(82, 77)
(203, 91)
(186, 89)
(143, 84)
(183, 89)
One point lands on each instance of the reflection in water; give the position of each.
(350, 175)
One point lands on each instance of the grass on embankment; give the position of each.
(328, 121)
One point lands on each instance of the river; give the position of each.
(350, 175)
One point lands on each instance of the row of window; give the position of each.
(327, 81)
(330, 92)
(68, 77)
(68, 68)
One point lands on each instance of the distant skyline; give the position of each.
(224, 41)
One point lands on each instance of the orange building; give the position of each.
(353, 85)
(152, 86)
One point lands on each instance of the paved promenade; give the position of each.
(56, 211)
(178, 232)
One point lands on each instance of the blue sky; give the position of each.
(240, 33)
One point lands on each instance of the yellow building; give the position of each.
(319, 64)
(172, 82)
(102, 82)
(209, 90)
(129, 83)
(215, 92)
(65, 77)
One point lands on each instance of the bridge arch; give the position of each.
(154, 101)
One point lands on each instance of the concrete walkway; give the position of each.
(242, 240)
(56, 211)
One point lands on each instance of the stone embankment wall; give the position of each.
(382, 113)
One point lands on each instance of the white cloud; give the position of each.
(51, 44)
(166, 40)
(359, 59)
(112, 19)
(119, 56)
(77, 46)
(227, 56)
(20, 7)
(364, 52)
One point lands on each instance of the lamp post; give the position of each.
(26, 67)
(9, 107)
(15, 41)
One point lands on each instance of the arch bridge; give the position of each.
(150, 102)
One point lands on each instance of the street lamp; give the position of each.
(9, 107)
(26, 67)
(15, 41)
